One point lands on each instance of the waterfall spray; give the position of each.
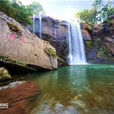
(76, 45)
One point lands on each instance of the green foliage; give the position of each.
(101, 11)
(4, 74)
(50, 51)
(14, 28)
(104, 9)
(18, 11)
(36, 8)
(100, 52)
(7, 59)
(97, 3)
(61, 61)
(88, 44)
(88, 16)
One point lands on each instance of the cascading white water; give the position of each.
(75, 44)
(37, 25)
(40, 24)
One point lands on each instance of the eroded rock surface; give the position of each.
(18, 45)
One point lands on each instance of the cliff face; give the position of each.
(21, 47)
(100, 49)
(99, 41)
(56, 33)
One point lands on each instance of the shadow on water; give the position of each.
(76, 89)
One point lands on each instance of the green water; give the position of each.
(87, 89)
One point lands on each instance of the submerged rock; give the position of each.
(21, 47)
(4, 74)
(19, 96)
(11, 85)
(57, 109)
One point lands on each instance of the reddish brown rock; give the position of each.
(86, 35)
(18, 98)
(110, 46)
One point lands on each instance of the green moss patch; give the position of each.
(7, 59)
(100, 53)
(4, 74)
(88, 44)
(14, 28)
(50, 51)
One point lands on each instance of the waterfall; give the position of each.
(37, 25)
(75, 44)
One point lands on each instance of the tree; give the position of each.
(17, 11)
(87, 16)
(20, 12)
(36, 8)
(104, 9)
(100, 12)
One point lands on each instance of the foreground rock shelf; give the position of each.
(19, 46)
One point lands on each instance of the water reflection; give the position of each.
(85, 89)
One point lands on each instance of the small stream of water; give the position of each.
(37, 25)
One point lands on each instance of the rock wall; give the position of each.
(99, 44)
(100, 49)
(55, 31)
(19, 46)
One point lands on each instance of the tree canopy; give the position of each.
(20, 12)
(36, 8)
(100, 12)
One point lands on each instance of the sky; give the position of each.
(62, 9)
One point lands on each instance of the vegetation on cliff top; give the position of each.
(20, 12)
(101, 11)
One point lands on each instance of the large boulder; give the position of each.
(19, 46)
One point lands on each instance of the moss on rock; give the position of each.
(4, 74)
(14, 28)
(8, 59)
(50, 51)
(100, 53)
(88, 44)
